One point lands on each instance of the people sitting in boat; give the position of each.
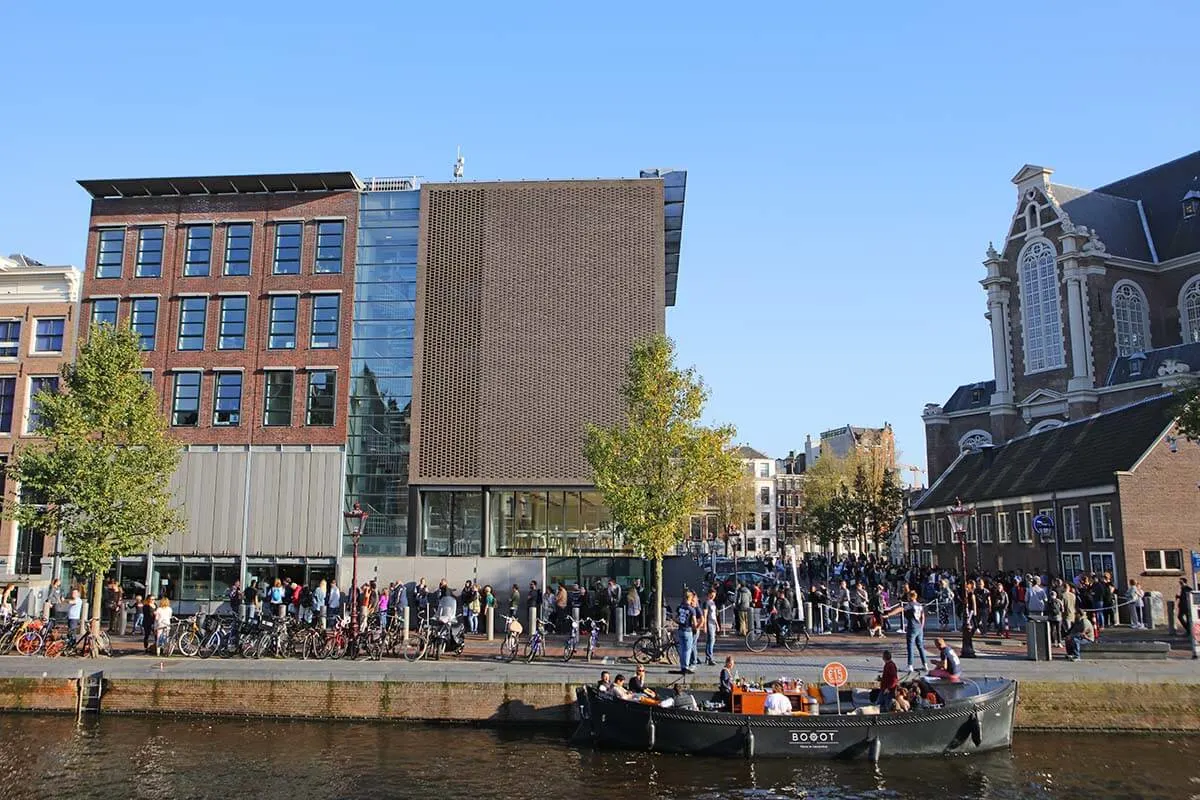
(619, 690)
(725, 686)
(605, 682)
(948, 667)
(889, 682)
(777, 702)
(901, 703)
(638, 684)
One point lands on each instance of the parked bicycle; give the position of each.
(658, 645)
(536, 646)
(511, 643)
(792, 635)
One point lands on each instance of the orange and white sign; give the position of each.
(835, 674)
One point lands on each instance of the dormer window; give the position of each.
(1031, 216)
(976, 396)
(1191, 204)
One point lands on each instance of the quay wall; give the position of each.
(1043, 705)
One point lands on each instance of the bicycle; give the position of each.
(572, 642)
(657, 645)
(593, 628)
(794, 637)
(417, 642)
(512, 638)
(536, 646)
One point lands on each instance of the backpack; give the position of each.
(305, 597)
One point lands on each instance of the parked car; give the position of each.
(730, 580)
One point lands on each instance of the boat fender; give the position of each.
(875, 748)
(749, 743)
(976, 728)
(650, 735)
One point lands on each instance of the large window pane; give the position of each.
(453, 523)
(329, 246)
(288, 237)
(198, 255)
(278, 397)
(10, 338)
(149, 253)
(322, 387)
(326, 319)
(104, 311)
(227, 399)
(224, 576)
(238, 239)
(232, 334)
(192, 313)
(144, 320)
(8, 393)
(110, 252)
(48, 335)
(197, 582)
(37, 385)
(282, 326)
(185, 400)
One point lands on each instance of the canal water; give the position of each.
(194, 759)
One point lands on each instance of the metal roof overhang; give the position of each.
(674, 191)
(223, 184)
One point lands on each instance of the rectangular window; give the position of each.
(198, 258)
(1072, 565)
(281, 333)
(277, 399)
(1070, 524)
(764, 521)
(232, 334)
(48, 335)
(288, 236)
(764, 495)
(1024, 532)
(1163, 560)
(326, 319)
(941, 531)
(928, 532)
(193, 312)
(1104, 564)
(764, 470)
(985, 525)
(185, 400)
(144, 320)
(1102, 522)
(227, 399)
(329, 246)
(972, 531)
(321, 391)
(110, 253)
(36, 385)
(104, 312)
(8, 394)
(1003, 527)
(10, 338)
(238, 239)
(149, 253)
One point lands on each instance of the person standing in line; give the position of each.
(320, 597)
(514, 601)
(147, 612)
(335, 601)
(53, 598)
(712, 627)
(1133, 596)
(251, 600)
(235, 599)
(633, 610)
(685, 616)
(744, 602)
(74, 615)
(277, 599)
(162, 625)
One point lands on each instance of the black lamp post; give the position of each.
(959, 514)
(359, 516)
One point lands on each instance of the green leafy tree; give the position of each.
(659, 464)
(887, 507)
(827, 508)
(99, 475)
(733, 499)
(1189, 413)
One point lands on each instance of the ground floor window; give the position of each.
(1104, 563)
(1159, 560)
(1072, 565)
(540, 522)
(452, 523)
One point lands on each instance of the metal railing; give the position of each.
(391, 184)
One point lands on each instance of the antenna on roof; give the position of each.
(459, 163)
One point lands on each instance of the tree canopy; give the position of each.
(858, 496)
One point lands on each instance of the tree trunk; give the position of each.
(658, 595)
(94, 623)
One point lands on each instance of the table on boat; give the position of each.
(754, 701)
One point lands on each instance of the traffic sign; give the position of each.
(1195, 561)
(835, 674)
(1043, 526)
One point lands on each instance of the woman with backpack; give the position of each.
(276, 599)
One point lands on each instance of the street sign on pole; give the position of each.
(1043, 526)
(1195, 561)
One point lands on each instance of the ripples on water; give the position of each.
(192, 759)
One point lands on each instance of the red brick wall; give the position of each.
(262, 210)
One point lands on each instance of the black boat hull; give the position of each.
(974, 724)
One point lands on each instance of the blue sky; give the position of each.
(848, 163)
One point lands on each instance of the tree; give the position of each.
(659, 464)
(1189, 414)
(826, 505)
(733, 499)
(99, 477)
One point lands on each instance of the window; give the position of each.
(1072, 564)
(288, 236)
(277, 399)
(1130, 318)
(1163, 560)
(985, 525)
(238, 239)
(764, 521)
(764, 469)
(1102, 522)
(1003, 528)
(329, 246)
(974, 440)
(1040, 316)
(928, 529)
(1046, 425)
(281, 333)
(48, 335)
(8, 393)
(325, 321)
(104, 312)
(1070, 524)
(321, 388)
(185, 400)
(1031, 216)
(110, 253)
(764, 495)
(1104, 564)
(227, 399)
(1189, 310)
(144, 320)
(192, 318)
(149, 253)
(1024, 533)
(198, 256)
(10, 338)
(972, 531)
(232, 333)
(941, 531)
(37, 385)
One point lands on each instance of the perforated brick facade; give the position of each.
(529, 299)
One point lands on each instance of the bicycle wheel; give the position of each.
(644, 649)
(757, 641)
(210, 645)
(568, 650)
(249, 646)
(671, 653)
(29, 643)
(55, 648)
(529, 651)
(338, 645)
(189, 643)
(796, 642)
(103, 645)
(6, 644)
(413, 648)
(509, 648)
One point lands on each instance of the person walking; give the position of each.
(712, 627)
(53, 598)
(971, 618)
(147, 612)
(744, 602)
(914, 629)
(685, 617)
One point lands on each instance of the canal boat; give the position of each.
(973, 716)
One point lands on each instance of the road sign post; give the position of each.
(1043, 526)
(835, 674)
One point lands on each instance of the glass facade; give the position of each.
(539, 523)
(453, 523)
(378, 425)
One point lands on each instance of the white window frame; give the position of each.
(1106, 521)
(1003, 529)
(15, 344)
(1053, 350)
(985, 527)
(927, 558)
(974, 439)
(1125, 293)
(1076, 556)
(1046, 425)
(941, 531)
(1162, 557)
(1100, 554)
(1024, 529)
(973, 529)
(1190, 328)
(1070, 524)
(928, 530)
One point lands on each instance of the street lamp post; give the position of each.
(959, 514)
(359, 516)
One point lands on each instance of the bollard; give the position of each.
(1171, 617)
(812, 618)
(620, 628)
(491, 623)
(575, 613)
(533, 616)
(407, 611)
